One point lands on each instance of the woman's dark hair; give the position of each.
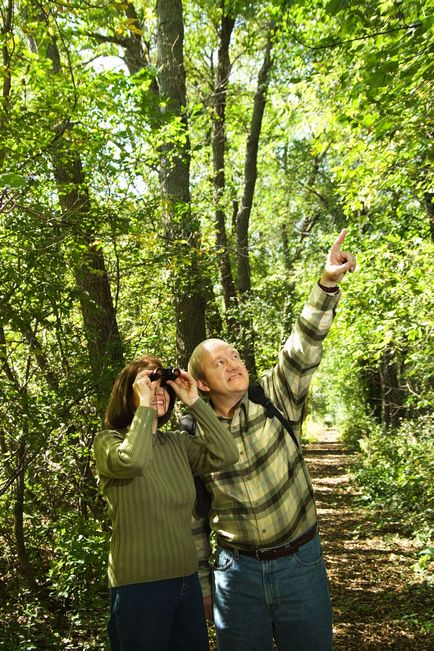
(120, 408)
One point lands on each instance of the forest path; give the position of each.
(378, 599)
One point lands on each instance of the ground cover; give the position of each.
(379, 600)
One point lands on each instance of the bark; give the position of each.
(429, 205)
(6, 368)
(251, 170)
(175, 169)
(99, 318)
(386, 395)
(6, 28)
(392, 393)
(182, 230)
(39, 591)
(247, 335)
(41, 358)
(373, 391)
(23, 557)
(218, 150)
(136, 57)
(136, 51)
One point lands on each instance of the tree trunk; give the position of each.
(23, 558)
(247, 336)
(6, 72)
(393, 394)
(136, 57)
(218, 150)
(99, 318)
(373, 391)
(182, 229)
(429, 205)
(40, 592)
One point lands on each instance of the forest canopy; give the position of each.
(176, 170)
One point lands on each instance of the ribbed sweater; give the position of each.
(147, 480)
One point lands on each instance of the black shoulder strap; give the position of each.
(187, 423)
(257, 395)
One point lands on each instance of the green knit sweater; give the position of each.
(148, 483)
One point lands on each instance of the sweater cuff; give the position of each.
(201, 408)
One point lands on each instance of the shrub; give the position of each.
(397, 470)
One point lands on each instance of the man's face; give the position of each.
(224, 374)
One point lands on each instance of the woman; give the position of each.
(146, 476)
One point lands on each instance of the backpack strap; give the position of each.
(187, 423)
(257, 395)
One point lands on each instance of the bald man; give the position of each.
(269, 579)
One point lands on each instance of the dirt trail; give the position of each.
(377, 597)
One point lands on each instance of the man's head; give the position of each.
(218, 370)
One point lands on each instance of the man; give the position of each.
(269, 579)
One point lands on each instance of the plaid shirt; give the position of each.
(266, 498)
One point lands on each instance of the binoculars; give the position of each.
(164, 374)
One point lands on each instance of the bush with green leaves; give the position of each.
(72, 613)
(397, 470)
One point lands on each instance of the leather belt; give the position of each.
(269, 553)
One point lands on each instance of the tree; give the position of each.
(195, 161)
(182, 229)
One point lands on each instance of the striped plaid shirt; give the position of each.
(266, 498)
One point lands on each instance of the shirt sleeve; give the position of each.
(287, 384)
(213, 446)
(121, 456)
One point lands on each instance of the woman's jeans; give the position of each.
(163, 615)
(286, 598)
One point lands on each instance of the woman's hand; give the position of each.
(142, 389)
(185, 388)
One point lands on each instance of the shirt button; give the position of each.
(264, 531)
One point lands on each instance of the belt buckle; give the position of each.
(265, 554)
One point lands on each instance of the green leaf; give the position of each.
(335, 6)
(12, 180)
(383, 127)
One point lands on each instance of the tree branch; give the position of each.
(338, 43)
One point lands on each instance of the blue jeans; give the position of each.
(286, 598)
(163, 615)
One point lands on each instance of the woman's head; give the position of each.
(120, 409)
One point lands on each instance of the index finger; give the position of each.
(340, 238)
(184, 375)
(144, 373)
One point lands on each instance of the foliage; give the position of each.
(396, 470)
(384, 320)
(76, 569)
(346, 141)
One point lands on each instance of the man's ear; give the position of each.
(202, 385)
